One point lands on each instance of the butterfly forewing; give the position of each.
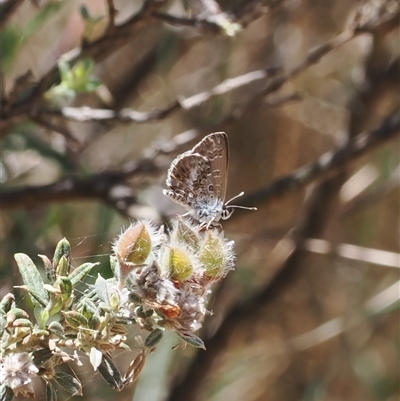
(214, 147)
(188, 173)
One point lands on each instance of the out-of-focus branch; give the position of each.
(353, 252)
(328, 163)
(109, 186)
(112, 13)
(106, 186)
(7, 9)
(275, 82)
(373, 307)
(94, 186)
(129, 115)
(123, 116)
(373, 195)
(98, 50)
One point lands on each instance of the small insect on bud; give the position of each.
(178, 262)
(133, 247)
(216, 256)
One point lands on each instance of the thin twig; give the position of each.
(95, 186)
(329, 162)
(353, 252)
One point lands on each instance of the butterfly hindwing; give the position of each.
(215, 148)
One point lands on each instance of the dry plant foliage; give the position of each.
(98, 97)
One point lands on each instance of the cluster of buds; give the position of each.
(162, 279)
(169, 275)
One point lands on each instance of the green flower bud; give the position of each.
(216, 256)
(134, 245)
(132, 248)
(178, 263)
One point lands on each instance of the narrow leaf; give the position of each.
(101, 289)
(7, 302)
(63, 248)
(80, 272)
(48, 268)
(134, 369)
(51, 394)
(110, 373)
(154, 337)
(69, 383)
(191, 339)
(32, 279)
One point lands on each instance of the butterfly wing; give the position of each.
(187, 178)
(214, 147)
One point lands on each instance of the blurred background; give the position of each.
(311, 311)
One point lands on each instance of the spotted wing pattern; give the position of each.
(187, 175)
(215, 148)
(197, 178)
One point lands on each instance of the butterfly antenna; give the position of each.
(236, 206)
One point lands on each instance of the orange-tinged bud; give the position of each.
(134, 245)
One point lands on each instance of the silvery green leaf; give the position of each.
(69, 383)
(65, 286)
(7, 303)
(32, 279)
(95, 357)
(22, 323)
(3, 324)
(57, 329)
(75, 319)
(80, 272)
(62, 267)
(48, 268)
(110, 373)
(87, 307)
(63, 248)
(6, 394)
(51, 394)
(101, 289)
(94, 322)
(114, 265)
(16, 313)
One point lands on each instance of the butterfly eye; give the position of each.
(226, 213)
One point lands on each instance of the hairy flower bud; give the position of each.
(178, 262)
(185, 234)
(216, 256)
(133, 247)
